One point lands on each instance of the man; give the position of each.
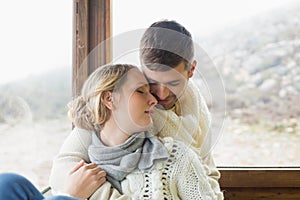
(166, 52)
(167, 58)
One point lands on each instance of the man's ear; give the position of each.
(108, 100)
(193, 67)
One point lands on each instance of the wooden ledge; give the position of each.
(260, 177)
(257, 183)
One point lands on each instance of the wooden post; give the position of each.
(91, 27)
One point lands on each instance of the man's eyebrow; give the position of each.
(174, 81)
(151, 80)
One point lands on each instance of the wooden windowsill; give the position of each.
(255, 183)
(260, 177)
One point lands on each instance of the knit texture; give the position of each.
(75, 146)
(189, 121)
(140, 151)
(182, 176)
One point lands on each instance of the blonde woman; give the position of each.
(115, 107)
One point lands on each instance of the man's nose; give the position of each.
(161, 91)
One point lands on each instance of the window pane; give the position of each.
(254, 46)
(35, 85)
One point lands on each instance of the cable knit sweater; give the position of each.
(189, 123)
(189, 120)
(182, 176)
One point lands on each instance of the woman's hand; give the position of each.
(84, 180)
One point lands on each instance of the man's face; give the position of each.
(167, 86)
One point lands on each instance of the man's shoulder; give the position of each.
(82, 135)
(81, 130)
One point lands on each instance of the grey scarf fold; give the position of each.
(140, 151)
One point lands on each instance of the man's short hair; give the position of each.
(165, 44)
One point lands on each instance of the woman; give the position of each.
(115, 106)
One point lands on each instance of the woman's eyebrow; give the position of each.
(142, 84)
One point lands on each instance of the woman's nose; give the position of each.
(152, 100)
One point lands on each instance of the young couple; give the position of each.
(113, 118)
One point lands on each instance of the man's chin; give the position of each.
(161, 107)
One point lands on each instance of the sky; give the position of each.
(36, 35)
(201, 16)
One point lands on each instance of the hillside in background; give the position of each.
(259, 61)
(260, 64)
(38, 97)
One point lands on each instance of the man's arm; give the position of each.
(73, 150)
(84, 180)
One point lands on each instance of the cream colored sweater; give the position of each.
(191, 110)
(182, 176)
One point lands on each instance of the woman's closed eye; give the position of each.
(140, 91)
(143, 89)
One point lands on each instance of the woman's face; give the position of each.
(135, 103)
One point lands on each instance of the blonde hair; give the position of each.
(88, 110)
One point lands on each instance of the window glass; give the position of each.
(35, 85)
(254, 47)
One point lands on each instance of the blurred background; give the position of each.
(254, 46)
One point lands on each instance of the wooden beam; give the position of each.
(91, 27)
(260, 183)
(261, 193)
(80, 44)
(100, 32)
(260, 177)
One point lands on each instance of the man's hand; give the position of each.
(84, 180)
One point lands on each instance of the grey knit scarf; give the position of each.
(140, 151)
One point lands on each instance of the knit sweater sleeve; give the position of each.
(192, 178)
(73, 150)
(107, 192)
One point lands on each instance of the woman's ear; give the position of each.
(108, 100)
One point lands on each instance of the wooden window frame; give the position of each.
(91, 26)
(245, 183)
(92, 22)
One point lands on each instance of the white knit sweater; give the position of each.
(182, 176)
(181, 127)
